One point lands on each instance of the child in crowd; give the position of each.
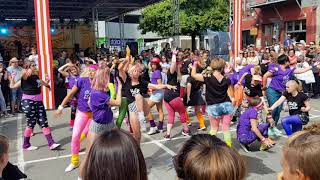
(249, 129)
(300, 160)
(206, 157)
(298, 104)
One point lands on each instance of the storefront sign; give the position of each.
(119, 42)
(254, 31)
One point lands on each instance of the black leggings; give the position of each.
(35, 113)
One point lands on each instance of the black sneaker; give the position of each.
(245, 147)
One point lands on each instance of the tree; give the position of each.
(195, 16)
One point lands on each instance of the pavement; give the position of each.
(46, 164)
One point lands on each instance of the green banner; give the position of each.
(102, 40)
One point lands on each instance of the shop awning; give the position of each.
(71, 9)
(262, 3)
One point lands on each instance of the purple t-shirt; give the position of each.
(245, 69)
(101, 111)
(234, 78)
(244, 124)
(84, 88)
(72, 81)
(280, 77)
(155, 76)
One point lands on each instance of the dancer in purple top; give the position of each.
(281, 74)
(100, 103)
(249, 129)
(71, 73)
(156, 97)
(83, 116)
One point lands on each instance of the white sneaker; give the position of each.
(71, 167)
(113, 108)
(277, 132)
(143, 126)
(153, 130)
(31, 148)
(54, 146)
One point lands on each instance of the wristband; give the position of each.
(60, 107)
(263, 139)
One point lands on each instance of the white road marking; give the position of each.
(165, 148)
(21, 162)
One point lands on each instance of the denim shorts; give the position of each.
(156, 96)
(217, 110)
(16, 95)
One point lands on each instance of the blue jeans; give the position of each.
(3, 105)
(272, 97)
(291, 124)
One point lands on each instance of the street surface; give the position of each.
(49, 165)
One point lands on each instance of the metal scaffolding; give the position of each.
(176, 22)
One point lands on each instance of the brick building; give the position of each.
(265, 22)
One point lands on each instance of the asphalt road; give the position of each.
(46, 164)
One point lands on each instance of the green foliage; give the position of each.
(195, 17)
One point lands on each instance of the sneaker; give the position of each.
(277, 132)
(153, 130)
(143, 126)
(54, 146)
(271, 132)
(202, 129)
(31, 148)
(167, 137)
(186, 132)
(189, 109)
(71, 167)
(189, 124)
(113, 108)
(161, 130)
(245, 147)
(263, 147)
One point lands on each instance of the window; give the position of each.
(296, 26)
(289, 26)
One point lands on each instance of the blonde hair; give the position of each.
(296, 83)
(101, 80)
(302, 150)
(218, 64)
(256, 70)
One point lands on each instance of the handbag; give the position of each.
(304, 117)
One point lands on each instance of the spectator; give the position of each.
(206, 157)
(300, 159)
(5, 85)
(63, 58)
(2, 100)
(15, 70)
(34, 56)
(115, 155)
(4, 156)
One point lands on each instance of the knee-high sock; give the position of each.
(201, 120)
(47, 134)
(75, 159)
(26, 139)
(227, 138)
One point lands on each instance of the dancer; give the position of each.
(32, 105)
(172, 100)
(156, 97)
(100, 103)
(280, 73)
(83, 116)
(219, 107)
(134, 88)
(194, 98)
(298, 104)
(71, 73)
(249, 129)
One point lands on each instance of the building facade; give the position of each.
(266, 22)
